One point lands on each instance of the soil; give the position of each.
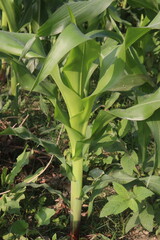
(139, 233)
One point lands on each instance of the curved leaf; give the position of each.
(141, 111)
(14, 43)
(82, 10)
(9, 7)
(68, 39)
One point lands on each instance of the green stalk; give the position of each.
(4, 21)
(76, 201)
(3, 64)
(14, 92)
(124, 4)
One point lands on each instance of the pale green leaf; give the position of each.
(127, 83)
(115, 205)
(133, 221)
(96, 173)
(155, 23)
(141, 111)
(129, 161)
(43, 216)
(78, 65)
(14, 43)
(121, 177)
(121, 190)
(114, 70)
(146, 218)
(142, 193)
(67, 40)
(133, 205)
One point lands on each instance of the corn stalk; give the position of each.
(72, 77)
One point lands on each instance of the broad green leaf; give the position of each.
(115, 205)
(43, 216)
(153, 183)
(10, 203)
(67, 40)
(82, 10)
(121, 177)
(22, 160)
(133, 205)
(121, 190)
(78, 65)
(127, 83)
(141, 111)
(128, 162)
(146, 218)
(9, 7)
(142, 193)
(14, 43)
(134, 34)
(154, 124)
(133, 221)
(96, 173)
(19, 227)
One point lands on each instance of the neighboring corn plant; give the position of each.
(69, 68)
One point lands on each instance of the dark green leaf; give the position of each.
(19, 227)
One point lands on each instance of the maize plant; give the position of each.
(69, 68)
